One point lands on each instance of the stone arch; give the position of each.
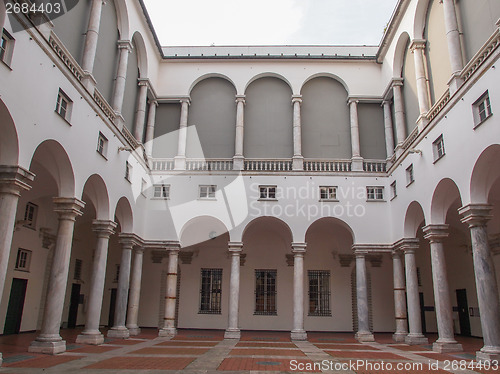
(142, 54)
(399, 54)
(122, 17)
(326, 75)
(51, 157)
(124, 215)
(208, 76)
(9, 143)
(201, 229)
(268, 75)
(269, 221)
(413, 219)
(328, 222)
(420, 20)
(95, 190)
(484, 174)
(445, 195)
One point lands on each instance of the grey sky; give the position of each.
(270, 22)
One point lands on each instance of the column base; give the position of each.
(238, 163)
(443, 347)
(118, 332)
(399, 337)
(89, 82)
(488, 354)
(365, 336)
(298, 163)
(298, 335)
(167, 332)
(179, 163)
(416, 339)
(93, 338)
(134, 330)
(48, 348)
(232, 334)
(357, 164)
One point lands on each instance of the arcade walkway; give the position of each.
(202, 351)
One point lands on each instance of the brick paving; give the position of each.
(206, 352)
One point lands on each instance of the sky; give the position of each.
(269, 22)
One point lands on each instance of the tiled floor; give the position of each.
(206, 351)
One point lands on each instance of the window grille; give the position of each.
(265, 292)
(319, 293)
(210, 291)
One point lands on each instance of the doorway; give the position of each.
(112, 307)
(463, 312)
(16, 306)
(73, 306)
(422, 312)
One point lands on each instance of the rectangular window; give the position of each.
(30, 215)
(394, 190)
(265, 292)
(6, 47)
(161, 191)
(410, 178)
(319, 293)
(481, 109)
(78, 269)
(128, 171)
(63, 105)
(102, 145)
(23, 259)
(207, 192)
(375, 193)
(438, 147)
(144, 186)
(210, 291)
(267, 192)
(328, 193)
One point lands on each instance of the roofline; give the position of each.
(392, 25)
(151, 27)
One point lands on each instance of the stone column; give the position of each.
(399, 298)
(169, 328)
(417, 47)
(135, 293)
(180, 159)
(119, 330)
(298, 159)
(49, 341)
(357, 160)
(444, 309)
(363, 334)
(298, 332)
(477, 216)
(140, 114)
(150, 128)
(91, 333)
(90, 47)
(239, 159)
(389, 138)
(399, 112)
(454, 45)
(124, 48)
(13, 180)
(233, 331)
(415, 336)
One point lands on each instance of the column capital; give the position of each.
(361, 253)
(14, 179)
(299, 248)
(185, 100)
(68, 207)
(104, 228)
(153, 102)
(397, 82)
(235, 247)
(129, 240)
(240, 99)
(475, 214)
(125, 44)
(296, 99)
(417, 44)
(144, 82)
(385, 102)
(407, 245)
(436, 233)
(139, 249)
(396, 253)
(352, 100)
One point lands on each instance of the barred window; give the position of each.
(265, 292)
(319, 293)
(78, 269)
(210, 292)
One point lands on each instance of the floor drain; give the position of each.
(274, 363)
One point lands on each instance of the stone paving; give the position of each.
(206, 351)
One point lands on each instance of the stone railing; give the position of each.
(130, 138)
(410, 139)
(65, 56)
(268, 165)
(325, 165)
(438, 106)
(478, 59)
(162, 164)
(103, 104)
(209, 164)
(375, 166)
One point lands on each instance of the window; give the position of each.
(265, 292)
(78, 269)
(410, 178)
(117, 273)
(30, 215)
(375, 193)
(319, 293)
(207, 192)
(161, 191)
(102, 145)
(63, 105)
(144, 187)
(6, 47)
(481, 109)
(328, 193)
(267, 192)
(128, 171)
(394, 190)
(210, 292)
(438, 147)
(23, 260)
